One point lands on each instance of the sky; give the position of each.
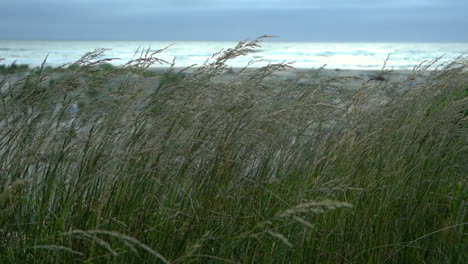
(233, 20)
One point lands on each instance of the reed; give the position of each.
(102, 164)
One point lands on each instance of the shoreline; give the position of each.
(350, 79)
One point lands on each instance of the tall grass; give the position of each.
(102, 164)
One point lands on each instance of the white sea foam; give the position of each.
(304, 54)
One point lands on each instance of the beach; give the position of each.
(384, 84)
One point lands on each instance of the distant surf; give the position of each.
(361, 56)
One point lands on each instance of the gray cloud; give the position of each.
(83, 19)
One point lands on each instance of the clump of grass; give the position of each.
(114, 164)
(13, 68)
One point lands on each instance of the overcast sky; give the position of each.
(292, 20)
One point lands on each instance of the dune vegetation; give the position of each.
(124, 164)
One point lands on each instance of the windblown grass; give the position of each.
(103, 164)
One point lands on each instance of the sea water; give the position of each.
(364, 56)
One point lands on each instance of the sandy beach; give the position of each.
(350, 78)
(380, 85)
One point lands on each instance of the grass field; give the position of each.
(105, 164)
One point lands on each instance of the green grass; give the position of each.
(13, 68)
(183, 168)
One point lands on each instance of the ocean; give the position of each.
(305, 55)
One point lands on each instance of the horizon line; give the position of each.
(272, 39)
